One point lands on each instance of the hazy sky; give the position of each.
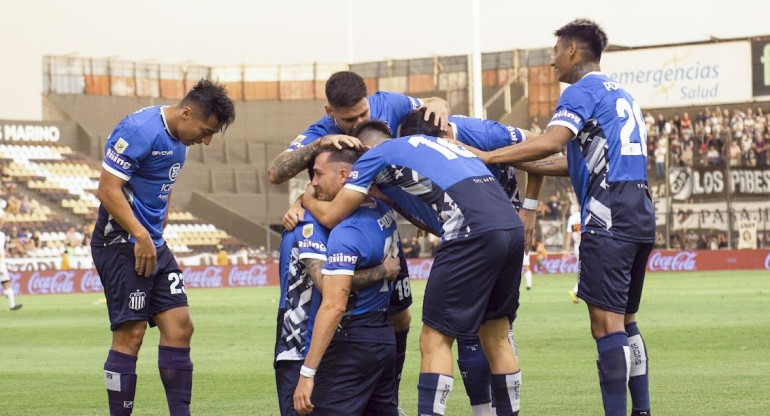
(230, 32)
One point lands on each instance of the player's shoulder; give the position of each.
(141, 125)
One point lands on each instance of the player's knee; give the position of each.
(128, 337)
(401, 320)
(431, 340)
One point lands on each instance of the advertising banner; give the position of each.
(760, 68)
(682, 76)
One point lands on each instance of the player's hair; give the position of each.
(587, 32)
(415, 123)
(345, 89)
(346, 155)
(380, 128)
(211, 98)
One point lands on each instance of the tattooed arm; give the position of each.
(362, 278)
(551, 166)
(291, 162)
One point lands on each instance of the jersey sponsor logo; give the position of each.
(311, 244)
(113, 156)
(162, 152)
(174, 171)
(121, 146)
(567, 114)
(307, 230)
(342, 258)
(137, 300)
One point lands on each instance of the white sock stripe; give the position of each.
(638, 356)
(627, 354)
(513, 382)
(443, 388)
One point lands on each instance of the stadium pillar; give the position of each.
(729, 189)
(476, 101)
(267, 201)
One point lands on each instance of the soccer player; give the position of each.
(474, 282)
(573, 239)
(487, 135)
(5, 278)
(347, 106)
(604, 131)
(303, 256)
(350, 365)
(142, 281)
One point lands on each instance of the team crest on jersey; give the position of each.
(137, 300)
(307, 230)
(174, 171)
(121, 146)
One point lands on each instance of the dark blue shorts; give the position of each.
(401, 298)
(611, 272)
(286, 378)
(474, 280)
(356, 378)
(131, 297)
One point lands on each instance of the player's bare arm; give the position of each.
(335, 297)
(290, 163)
(362, 278)
(548, 143)
(550, 166)
(110, 194)
(440, 108)
(330, 213)
(528, 213)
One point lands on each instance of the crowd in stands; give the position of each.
(711, 137)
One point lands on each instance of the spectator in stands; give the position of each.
(242, 255)
(222, 259)
(702, 243)
(406, 246)
(660, 160)
(25, 206)
(687, 154)
(416, 246)
(65, 260)
(760, 147)
(14, 203)
(554, 207)
(735, 153)
(722, 241)
(660, 240)
(73, 238)
(714, 244)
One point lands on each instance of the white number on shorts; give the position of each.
(402, 286)
(176, 280)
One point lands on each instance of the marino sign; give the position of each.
(683, 75)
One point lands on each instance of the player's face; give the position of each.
(347, 117)
(193, 129)
(328, 179)
(561, 60)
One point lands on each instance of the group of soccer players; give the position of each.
(343, 317)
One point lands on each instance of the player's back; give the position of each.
(457, 188)
(608, 158)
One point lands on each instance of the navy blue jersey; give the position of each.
(306, 241)
(453, 187)
(489, 135)
(389, 107)
(607, 158)
(142, 152)
(361, 241)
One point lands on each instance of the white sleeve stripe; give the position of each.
(563, 124)
(333, 272)
(316, 256)
(363, 190)
(115, 172)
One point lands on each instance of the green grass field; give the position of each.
(708, 336)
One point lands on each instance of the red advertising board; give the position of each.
(87, 280)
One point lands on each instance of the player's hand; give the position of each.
(294, 215)
(309, 194)
(391, 264)
(528, 219)
(302, 395)
(146, 256)
(340, 141)
(441, 109)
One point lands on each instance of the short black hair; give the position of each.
(346, 155)
(587, 32)
(415, 123)
(345, 89)
(371, 125)
(211, 98)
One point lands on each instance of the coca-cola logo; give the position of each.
(253, 276)
(678, 261)
(559, 264)
(767, 262)
(420, 270)
(90, 282)
(208, 277)
(61, 281)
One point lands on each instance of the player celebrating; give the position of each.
(351, 331)
(603, 127)
(5, 278)
(142, 281)
(474, 282)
